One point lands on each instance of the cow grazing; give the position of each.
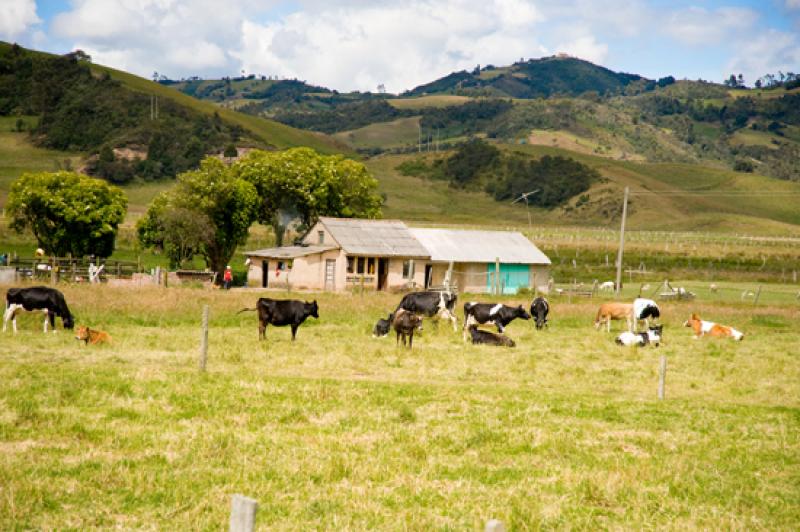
(607, 286)
(405, 323)
(431, 303)
(48, 300)
(282, 312)
(614, 311)
(643, 310)
(381, 328)
(499, 314)
(489, 338)
(92, 336)
(539, 310)
(709, 328)
(651, 336)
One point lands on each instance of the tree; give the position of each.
(230, 152)
(67, 212)
(224, 204)
(301, 183)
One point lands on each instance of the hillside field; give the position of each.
(340, 430)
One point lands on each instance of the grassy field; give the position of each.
(339, 430)
(436, 100)
(400, 132)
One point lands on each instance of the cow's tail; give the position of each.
(247, 310)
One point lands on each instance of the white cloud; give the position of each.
(400, 44)
(585, 47)
(699, 26)
(16, 17)
(765, 53)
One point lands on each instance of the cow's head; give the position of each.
(312, 308)
(520, 312)
(68, 322)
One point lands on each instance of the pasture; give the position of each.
(342, 431)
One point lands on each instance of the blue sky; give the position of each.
(357, 44)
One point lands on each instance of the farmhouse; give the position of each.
(474, 255)
(338, 254)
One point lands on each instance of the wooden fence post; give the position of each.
(662, 375)
(204, 339)
(243, 514)
(758, 294)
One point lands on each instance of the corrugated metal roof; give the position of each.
(383, 238)
(287, 252)
(445, 245)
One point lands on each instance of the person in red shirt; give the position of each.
(227, 278)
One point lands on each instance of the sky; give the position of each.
(359, 44)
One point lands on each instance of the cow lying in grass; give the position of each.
(405, 323)
(709, 328)
(92, 336)
(489, 338)
(651, 336)
(381, 328)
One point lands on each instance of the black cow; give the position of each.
(431, 303)
(282, 312)
(404, 324)
(48, 300)
(539, 310)
(381, 328)
(489, 338)
(499, 314)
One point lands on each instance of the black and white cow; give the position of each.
(489, 338)
(381, 328)
(651, 336)
(540, 308)
(499, 314)
(643, 310)
(431, 303)
(282, 312)
(48, 300)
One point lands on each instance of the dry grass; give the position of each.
(339, 430)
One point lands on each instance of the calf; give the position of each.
(499, 314)
(651, 336)
(381, 328)
(431, 303)
(282, 312)
(404, 324)
(709, 328)
(614, 311)
(48, 300)
(489, 338)
(92, 336)
(539, 310)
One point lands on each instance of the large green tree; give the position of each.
(67, 212)
(208, 212)
(302, 184)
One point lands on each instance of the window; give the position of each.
(408, 269)
(281, 266)
(321, 237)
(351, 265)
(371, 266)
(360, 265)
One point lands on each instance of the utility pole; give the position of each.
(621, 241)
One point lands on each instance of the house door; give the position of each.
(330, 274)
(383, 273)
(428, 272)
(511, 278)
(264, 273)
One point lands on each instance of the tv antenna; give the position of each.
(524, 196)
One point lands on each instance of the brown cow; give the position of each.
(404, 324)
(614, 311)
(92, 336)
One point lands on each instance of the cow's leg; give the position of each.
(294, 331)
(397, 340)
(262, 330)
(52, 317)
(7, 316)
(46, 319)
(410, 338)
(500, 327)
